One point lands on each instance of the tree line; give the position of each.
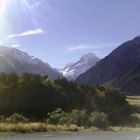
(35, 96)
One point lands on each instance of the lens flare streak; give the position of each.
(14, 9)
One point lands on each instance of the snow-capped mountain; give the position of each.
(14, 60)
(120, 69)
(73, 70)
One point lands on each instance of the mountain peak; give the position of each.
(73, 70)
(88, 56)
(120, 69)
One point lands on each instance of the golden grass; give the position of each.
(133, 100)
(42, 127)
(23, 127)
(37, 127)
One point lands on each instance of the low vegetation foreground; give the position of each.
(34, 103)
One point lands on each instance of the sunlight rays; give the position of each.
(17, 16)
(28, 7)
(2, 5)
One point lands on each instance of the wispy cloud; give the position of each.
(86, 47)
(27, 33)
(15, 45)
(76, 48)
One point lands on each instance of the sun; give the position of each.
(19, 11)
(6, 4)
(3, 5)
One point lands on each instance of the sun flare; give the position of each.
(11, 12)
(3, 5)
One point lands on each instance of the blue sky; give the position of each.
(60, 31)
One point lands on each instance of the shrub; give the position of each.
(16, 118)
(78, 117)
(99, 119)
(58, 117)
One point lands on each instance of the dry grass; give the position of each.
(42, 127)
(133, 100)
(23, 127)
(37, 127)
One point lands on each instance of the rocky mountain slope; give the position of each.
(14, 60)
(120, 69)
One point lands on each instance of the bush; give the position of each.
(78, 117)
(99, 119)
(16, 118)
(58, 117)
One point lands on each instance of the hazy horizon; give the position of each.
(59, 32)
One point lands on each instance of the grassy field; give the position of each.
(134, 100)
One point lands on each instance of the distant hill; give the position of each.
(14, 60)
(120, 69)
(73, 70)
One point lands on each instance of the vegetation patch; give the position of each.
(61, 105)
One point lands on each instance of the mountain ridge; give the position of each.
(14, 60)
(117, 70)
